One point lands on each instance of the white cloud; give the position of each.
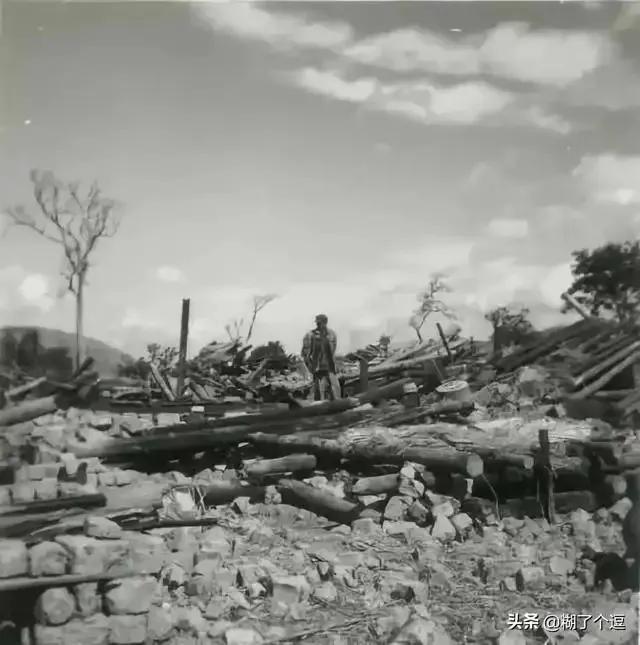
(331, 84)
(427, 102)
(169, 274)
(511, 50)
(552, 56)
(508, 227)
(611, 178)
(279, 29)
(24, 296)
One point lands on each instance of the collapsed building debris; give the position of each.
(228, 518)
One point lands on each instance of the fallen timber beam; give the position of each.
(387, 484)
(406, 417)
(181, 440)
(537, 349)
(264, 418)
(575, 305)
(94, 500)
(593, 387)
(609, 451)
(611, 360)
(15, 584)
(224, 492)
(321, 502)
(23, 390)
(296, 463)
(452, 460)
(162, 384)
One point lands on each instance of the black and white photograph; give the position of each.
(319, 322)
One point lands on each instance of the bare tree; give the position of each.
(234, 328)
(76, 221)
(259, 303)
(429, 304)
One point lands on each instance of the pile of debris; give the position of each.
(445, 479)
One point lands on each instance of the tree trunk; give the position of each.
(80, 350)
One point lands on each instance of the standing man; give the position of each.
(318, 353)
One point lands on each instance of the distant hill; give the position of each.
(106, 358)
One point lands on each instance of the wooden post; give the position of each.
(444, 340)
(544, 477)
(364, 375)
(184, 337)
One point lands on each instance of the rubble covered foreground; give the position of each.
(504, 514)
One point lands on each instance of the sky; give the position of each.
(334, 154)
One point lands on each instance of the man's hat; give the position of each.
(322, 318)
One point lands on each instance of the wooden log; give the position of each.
(448, 408)
(460, 462)
(575, 305)
(28, 410)
(94, 500)
(534, 350)
(376, 485)
(267, 418)
(447, 460)
(23, 390)
(599, 383)
(320, 502)
(294, 463)
(224, 492)
(609, 451)
(612, 359)
(496, 459)
(184, 339)
(389, 391)
(68, 579)
(162, 384)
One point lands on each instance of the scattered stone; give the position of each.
(418, 513)
(102, 527)
(127, 630)
(290, 589)
(366, 525)
(396, 509)
(445, 509)
(242, 636)
(54, 606)
(561, 566)
(87, 598)
(23, 493)
(620, 509)
(529, 577)
(14, 560)
(160, 624)
(463, 524)
(48, 559)
(242, 505)
(190, 620)
(129, 595)
(46, 489)
(149, 553)
(443, 529)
